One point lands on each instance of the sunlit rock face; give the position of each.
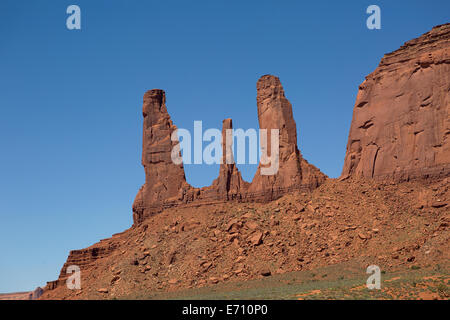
(401, 125)
(165, 183)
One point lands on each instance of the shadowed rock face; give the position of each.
(165, 183)
(401, 124)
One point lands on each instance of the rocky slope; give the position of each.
(394, 226)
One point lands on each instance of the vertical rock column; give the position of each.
(229, 184)
(275, 112)
(164, 180)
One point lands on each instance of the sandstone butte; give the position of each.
(399, 132)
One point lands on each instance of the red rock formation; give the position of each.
(275, 112)
(400, 129)
(165, 182)
(229, 185)
(84, 259)
(401, 124)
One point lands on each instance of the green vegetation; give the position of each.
(342, 281)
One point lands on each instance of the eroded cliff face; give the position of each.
(401, 125)
(165, 183)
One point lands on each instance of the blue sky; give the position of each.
(70, 101)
